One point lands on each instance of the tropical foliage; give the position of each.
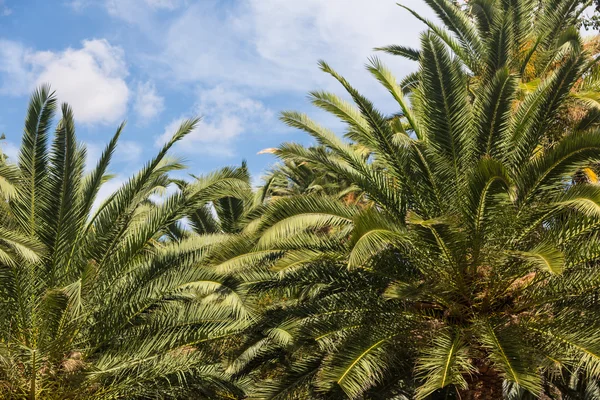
(470, 267)
(449, 250)
(96, 301)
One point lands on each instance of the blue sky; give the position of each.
(236, 63)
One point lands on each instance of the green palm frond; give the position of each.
(445, 362)
(402, 51)
(475, 238)
(100, 304)
(506, 354)
(33, 158)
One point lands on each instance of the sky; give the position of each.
(235, 63)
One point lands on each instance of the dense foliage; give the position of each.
(97, 302)
(447, 251)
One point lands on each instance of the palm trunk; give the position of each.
(486, 385)
(32, 386)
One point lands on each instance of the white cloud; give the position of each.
(226, 115)
(93, 153)
(159, 198)
(213, 138)
(131, 11)
(127, 8)
(274, 44)
(91, 79)
(107, 189)
(148, 104)
(11, 150)
(142, 13)
(224, 100)
(269, 47)
(16, 75)
(77, 5)
(128, 151)
(164, 4)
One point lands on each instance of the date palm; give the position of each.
(473, 264)
(527, 37)
(293, 177)
(97, 302)
(224, 214)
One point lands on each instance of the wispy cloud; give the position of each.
(227, 114)
(107, 189)
(145, 14)
(15, 68)
(248, 55)
(164, 4)
(77, 5)
(128, 151)
(209, 138)
(148, 103)
(93, 152)
(274, 44)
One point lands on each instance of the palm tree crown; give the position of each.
(449, 250)
(472, 261)
(97, 302)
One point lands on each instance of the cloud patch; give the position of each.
(226, 114)
(164, 4)
(16, 74)
(10, 150)
(148, 104)
(128, 151)
(91, 78)
(107, 189)
(273, 45)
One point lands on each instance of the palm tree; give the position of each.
(97, 302)
(293, 177)
(527, 37)
(225, 213)
(473, 265)
(14, 245)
